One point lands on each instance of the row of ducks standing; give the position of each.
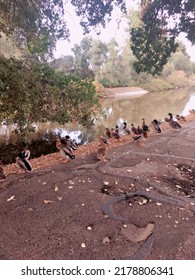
(140, 133)
(66, 145)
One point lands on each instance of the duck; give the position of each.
(145, 128)
(108, 133)
(180, 118)
(125, 128)
(138, 136)
(103, 139)
(114, 134)
(139, 131)
(173, 123)
(117, 129)
(2, 173)
(156, 125)
(68, 141)
(22, 160)
(102, 149)
(133, 129)
(65, 150)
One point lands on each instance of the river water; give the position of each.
(116, 110)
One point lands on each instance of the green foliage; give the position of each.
(154, 40)
(36, 93)
(81, 58)
(95, 13)
(38, 23)
(151, 49)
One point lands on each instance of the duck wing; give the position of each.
(174, 124)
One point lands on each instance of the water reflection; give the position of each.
(116, 110)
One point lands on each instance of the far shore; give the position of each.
(124, 91)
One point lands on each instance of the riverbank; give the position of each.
(139, 204)
(55, 158)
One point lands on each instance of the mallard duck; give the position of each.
(139, 131)
(108, 134)
(68, 141)
(2, 174)
(145, 128)
(180, 118)
(138, 138)
(133, 129)
(117, 129)
(114, 134)
(156, 125)
(173, 123)
(103, 139)
(102, 149)
(22, 160)
(65, 150)
(125, 128)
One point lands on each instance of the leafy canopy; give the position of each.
(155, 39)
(36, 93)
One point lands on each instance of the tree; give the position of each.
(36, 93)
(81, 58)
(64, 64)
(39, 22)
(179, 61)
(97, 12)
(98, 57)
(110, 71)
(155, 39)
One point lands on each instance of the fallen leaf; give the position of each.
(106, 240)
(56, 189)
(11, 198)
(45, 201)
(89, 228)
(71, 182)
(83, 245)
(129, 170)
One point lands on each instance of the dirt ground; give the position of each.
(139, 204)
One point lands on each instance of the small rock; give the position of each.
(89, 228)
(71, 182)
(56, 189)
(83, 245)
(45, 201)
(158, 203)
(106, 240)
(11, 198)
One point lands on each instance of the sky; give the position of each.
(111, 30)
